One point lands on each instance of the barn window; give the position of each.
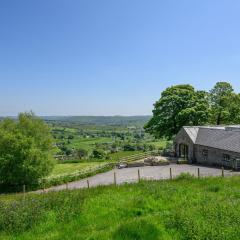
(226, 157)
(205, 154)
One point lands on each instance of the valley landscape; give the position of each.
(119, 120)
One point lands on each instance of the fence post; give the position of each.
(198, 172)
(115, 178)
(222, 171)
(88, 184)
(139, 177)
(170, 173)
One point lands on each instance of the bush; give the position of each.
(25, 150)
(129, 147)
(81, 153)
(98, 153)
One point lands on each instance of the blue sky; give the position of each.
(112, 57)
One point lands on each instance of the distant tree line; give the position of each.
(182, 105)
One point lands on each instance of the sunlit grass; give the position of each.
(185, 208)
(69, 168)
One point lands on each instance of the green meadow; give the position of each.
(184, 208)
(69, 168)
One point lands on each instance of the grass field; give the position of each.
(117, 156)
(183, 209)
(88, 143)
(160, 144)
(72, 167)
(68, 168)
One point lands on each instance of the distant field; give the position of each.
(73, 133)
(100, 120)
(117, 156)
(88, 143)
(181, 209)
(160, 144)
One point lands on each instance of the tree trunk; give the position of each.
(219, 118)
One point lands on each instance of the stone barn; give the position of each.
(219, 145)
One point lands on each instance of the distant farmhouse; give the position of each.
(218, 145)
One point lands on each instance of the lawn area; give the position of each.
(184, 208)
(68, 168)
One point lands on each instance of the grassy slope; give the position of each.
(179, 209)
(68, 168)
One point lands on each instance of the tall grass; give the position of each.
(184, 208)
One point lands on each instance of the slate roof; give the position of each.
(192, 132)
(225, 138)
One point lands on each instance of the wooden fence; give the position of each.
(76, 175)
(139, 156)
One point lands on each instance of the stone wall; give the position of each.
(214, 156)
(183, 138)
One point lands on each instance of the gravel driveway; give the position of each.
(127, 175)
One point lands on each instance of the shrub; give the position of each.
(98, 153)
(25, 150)
(129, 147)
(81, 153)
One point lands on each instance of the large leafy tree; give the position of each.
(225, 104)
(25, 150)
(178, 106)
(234, 109)
(219, 101)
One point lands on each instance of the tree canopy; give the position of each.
(25, 150)
(225, 104)
(178, 106)
(182, 105)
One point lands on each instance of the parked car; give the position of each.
(121, 165)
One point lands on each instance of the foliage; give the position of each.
(25, 150)
(76, 140)
(81, 153)
(225, 104)
(181, 105)
(129, 147)
(98, 153)
(185, 208)
(178, 106)
(100, 120)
